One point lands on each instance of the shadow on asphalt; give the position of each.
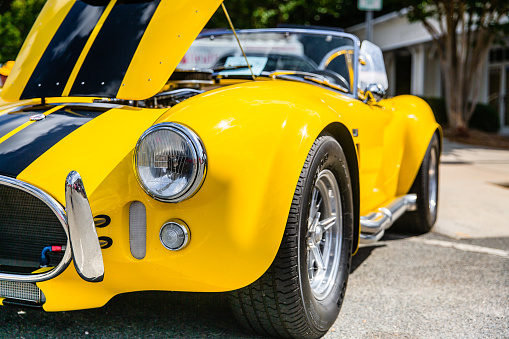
(362, 255)
(132, 315)
(365, 251)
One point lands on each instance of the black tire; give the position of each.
(422, 220)
(282, 303)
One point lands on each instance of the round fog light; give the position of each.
(175, 235)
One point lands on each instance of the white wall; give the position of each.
(432, 78)
(393, 31)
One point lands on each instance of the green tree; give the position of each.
(271, 13)
(15, 23)
(462, 32)
(5, 5)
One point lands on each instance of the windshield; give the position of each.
(326, 56)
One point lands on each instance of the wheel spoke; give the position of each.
(314, 214)
(314, 223)
(312, 210)
(318, 257)
(327, 223)
(319, 204)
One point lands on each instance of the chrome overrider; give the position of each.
(86, 250)
(373, 225)
(77, 221)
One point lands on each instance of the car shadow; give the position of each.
(149, 314)
(362, 255)
(365, 251)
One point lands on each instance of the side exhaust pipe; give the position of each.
(373, 225)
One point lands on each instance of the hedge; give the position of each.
(484, 118)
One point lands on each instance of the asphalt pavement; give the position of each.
(450, 283)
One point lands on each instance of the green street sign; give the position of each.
(369, 5)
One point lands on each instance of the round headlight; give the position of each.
(170, 162)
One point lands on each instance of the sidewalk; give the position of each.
(474, 192)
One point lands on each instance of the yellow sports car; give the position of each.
(251, 163)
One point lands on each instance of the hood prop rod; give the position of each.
(238, 41)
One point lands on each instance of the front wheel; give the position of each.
(301, 293)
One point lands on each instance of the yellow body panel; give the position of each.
(173, 28)
(257, 136)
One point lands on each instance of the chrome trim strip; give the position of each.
(373, 225)
(201, 166)
(86, 250)
(94, 105)
(58, 210)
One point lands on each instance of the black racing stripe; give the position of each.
(16, 118)
(11, 121)
(24, 147)
(112, 51)
(53, 70)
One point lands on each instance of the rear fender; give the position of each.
(420, 127)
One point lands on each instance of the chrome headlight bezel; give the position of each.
(200, 163)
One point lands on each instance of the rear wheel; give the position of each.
(426, 188)
(301, 293)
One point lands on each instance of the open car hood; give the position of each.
(124, 49)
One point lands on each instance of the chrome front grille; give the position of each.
(21, 291)
(30, 220)
(27, 225)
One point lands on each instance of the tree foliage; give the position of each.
(15, 23)
(462, 32)
(271, 13)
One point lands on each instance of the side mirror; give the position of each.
(373, 81)
(373, 94)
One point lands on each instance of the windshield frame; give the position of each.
(355, 39)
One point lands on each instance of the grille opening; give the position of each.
(27, 225)
(138, 229)
(21, 291)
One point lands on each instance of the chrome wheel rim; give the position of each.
(324, 236)
(433, 183)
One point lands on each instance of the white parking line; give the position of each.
(462, 247)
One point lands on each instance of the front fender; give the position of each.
(257, 137)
